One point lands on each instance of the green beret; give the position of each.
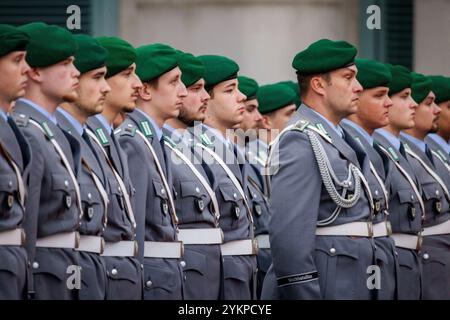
(272, 97)
(441, 88)
(90, 55)
(218, 69)
(248, 86)
(12, 39)
(401, 79)
(372, 73)
(192, 69)
(324, 56)
(49, 44)
(154, 60)
(421, 87)
(121, 54)
(294, 86)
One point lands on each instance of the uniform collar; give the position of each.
(216, 133)
(364, 134)
(3, 115)
(395, 141)
(74, 122)
(158, 130)
(41, 110)
(419, 143)
(440, 141)
(336, 128)
(105, 123)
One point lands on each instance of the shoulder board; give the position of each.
(20, 119)
(393, 153)
(128, 130)
(102, 136)
(169, 141)
(301, 124)
(205, 140)
(145, 128)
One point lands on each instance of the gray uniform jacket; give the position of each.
(405, 217)
(93, 276)
(306, 266)
(194, 208)
(435, 251)
(13, 259)
(162, 276)
(51, 206)
(259, 201)
(124, 273)
(239, 271)
(385, 257)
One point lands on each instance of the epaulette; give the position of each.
(145, 128)
(128, 130)
(169, 141)
(20, 119)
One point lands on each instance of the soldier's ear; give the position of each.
(145, 92)
(266, 122)
(317, 84)
(35, 74)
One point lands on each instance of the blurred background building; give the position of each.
(261, 35)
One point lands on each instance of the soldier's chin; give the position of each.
(70, 97)
(128, 108)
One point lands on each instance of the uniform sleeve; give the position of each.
(34, 193)
(139, 179)
(295, 199)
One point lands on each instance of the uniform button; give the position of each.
(376, 192)
(163, 191)
(35, 265)
(114, 272)
(254, 196)
(10, 184)
(89, 196)
(235, 195)
(183, 264)
(79, 224)
(412, 197)
(148, 284)
(350, 183)
(142, 267)
(332, 250)
(197, 190)
(426, 256)
(437, 193)
(66, 183)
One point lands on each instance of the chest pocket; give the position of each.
(8, 189)
(193, 191)
(434, 196)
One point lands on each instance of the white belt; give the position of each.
(382, 229)
(201, 236)
(66, 240)
(240, 248)
(356, 229)
(14, 237)
(167, 250)
(442, 228)
(407, 241)
(120, 249)
(263, 241)
(91, 244)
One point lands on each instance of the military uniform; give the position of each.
(124, 272)
(432, 176)
(374, 171)
(53, 207)
(157, 222)
(15, 157)
(313, 255)
(94, 199)
(260, 205)
(198, 219)
(239, 248)
(405, 210)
